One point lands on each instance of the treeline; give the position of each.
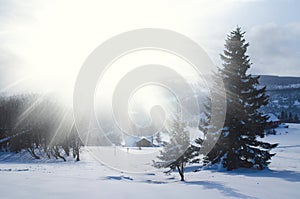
(289, 117)
(38, 124)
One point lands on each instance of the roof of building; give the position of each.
(272, 118)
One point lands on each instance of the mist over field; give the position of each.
(149, 99)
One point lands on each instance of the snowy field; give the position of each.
(21, 177)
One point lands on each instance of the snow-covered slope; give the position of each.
(89, 179)
(284, 94)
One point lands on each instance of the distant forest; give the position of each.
(284, 96)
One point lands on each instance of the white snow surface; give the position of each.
(23, 177)
(297, 103)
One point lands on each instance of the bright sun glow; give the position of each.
(54, 43)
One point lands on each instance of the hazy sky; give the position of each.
(51, 39)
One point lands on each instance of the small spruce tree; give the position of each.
(158, 138)
(178, 152)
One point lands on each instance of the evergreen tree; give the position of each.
(158, 137)
(178, 152)
(290, 119)
(238, 145)
(283, 116)
(212, 125)
(296, 119)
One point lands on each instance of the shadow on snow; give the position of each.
(227, 191)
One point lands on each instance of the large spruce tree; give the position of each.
(239, 146)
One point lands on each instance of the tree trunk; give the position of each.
(62, 157)
(180, 171)
(77, 154)
(74, 152)
(67, 150)
(46, 150)
(77, 149)
(57, 153)
(31, 151)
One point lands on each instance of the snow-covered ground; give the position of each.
(23, 178)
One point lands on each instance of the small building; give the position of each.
(273, 121)
(144, 142)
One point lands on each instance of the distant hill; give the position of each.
(284, 94)
(279, 83)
